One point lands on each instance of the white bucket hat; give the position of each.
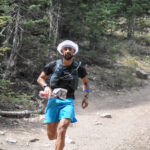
(67, 43)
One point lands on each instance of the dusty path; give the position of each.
(128, 129)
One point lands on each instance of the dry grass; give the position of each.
(135, 62)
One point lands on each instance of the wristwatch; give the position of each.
(45, 85)
(87, 91)
(86, 96)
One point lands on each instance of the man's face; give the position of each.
(68, 52)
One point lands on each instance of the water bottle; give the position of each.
(42, 95)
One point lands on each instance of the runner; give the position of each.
(64, 72)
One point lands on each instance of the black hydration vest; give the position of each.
(59, 80)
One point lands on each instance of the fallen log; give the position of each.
(23, 113)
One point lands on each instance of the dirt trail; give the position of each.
(128, 129)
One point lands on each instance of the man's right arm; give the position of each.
(42, 82)
(48, 69)
(42, 79)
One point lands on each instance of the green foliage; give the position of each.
(144, 40)
(5, 87)
(34, 7)
(3, 20)
(121, 79)
(79, 20)
(9, 97)
(135, 62)
(3, 49)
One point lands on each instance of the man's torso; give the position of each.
(65, 76)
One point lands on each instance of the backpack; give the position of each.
(71, 78)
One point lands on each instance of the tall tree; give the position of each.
(132, 9)
(16, 42)
(54, 17)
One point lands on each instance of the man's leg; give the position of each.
(52, 130)
(61, 132)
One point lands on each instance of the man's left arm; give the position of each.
(86, 92)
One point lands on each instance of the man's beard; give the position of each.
(68, 57)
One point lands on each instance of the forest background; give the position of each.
(113, 36)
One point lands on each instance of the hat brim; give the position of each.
(68, 43)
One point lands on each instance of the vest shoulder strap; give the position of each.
(77, 64)
(58, 62)
(58, 67)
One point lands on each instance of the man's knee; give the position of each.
(63, 127)
(51, 136)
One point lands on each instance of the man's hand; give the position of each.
(48, 92)
(84, 102)
(41, 80)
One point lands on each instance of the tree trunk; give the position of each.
(54, 15)
(22, 113)
(15, 47)
(131, 26)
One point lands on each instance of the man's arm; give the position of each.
(42, 82)
(41, 79)
(85, 83)
(86, 92)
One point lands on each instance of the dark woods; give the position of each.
(31, 30)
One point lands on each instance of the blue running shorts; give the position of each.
(57, 109)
